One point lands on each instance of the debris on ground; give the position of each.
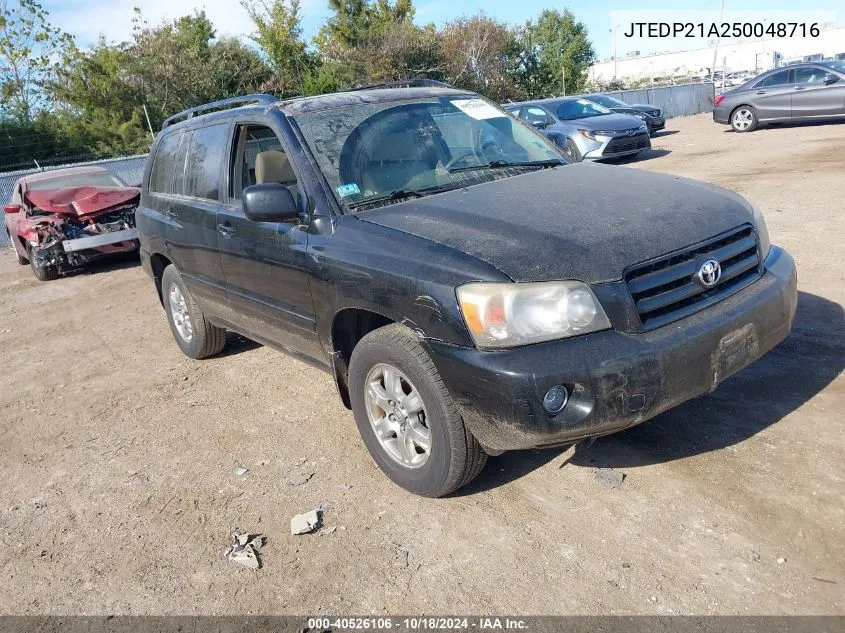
(324, 506)
(300, 479)
(240, 471)
(246, 548)
(330, 530)
(305, 523)
(301, 461)
(781, 560)
(752, 556)
(609, 478)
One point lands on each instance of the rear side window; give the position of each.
(163, 163)
(778, 79)
(812, 75)
(204, 161)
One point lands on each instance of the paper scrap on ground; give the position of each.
(245, 549)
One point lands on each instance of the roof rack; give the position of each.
(220, 105)
(419, 82)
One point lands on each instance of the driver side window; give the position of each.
(260, 158)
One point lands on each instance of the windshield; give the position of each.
(85, 179)
(579, 109)
(371, 153)
(606, 101)
(836, 64)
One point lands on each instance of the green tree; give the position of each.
(555, 54)
(366, 41)
(28, 45)
(99, 93)
(279, 34)
(481, 54)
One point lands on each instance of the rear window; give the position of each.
(205, 160)
(163, 164)
(89, 179)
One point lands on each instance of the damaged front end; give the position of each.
(68, 229)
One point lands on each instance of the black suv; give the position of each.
(469, 290)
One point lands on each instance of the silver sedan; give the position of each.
(583, 129)
(799, 92)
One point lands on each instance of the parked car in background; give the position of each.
(799, 92)
(63, 219)
(584, 129)
(468, 289)
(649, 114)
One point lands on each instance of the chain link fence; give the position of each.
(130, 169)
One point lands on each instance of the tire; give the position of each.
(23, 261)
(195, 336)
(42, 273)
(454, 457)
(744, 119)
(571, 150)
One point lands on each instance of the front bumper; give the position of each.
(615, 146)
(655, 124)
(616, 379)
(98, 241)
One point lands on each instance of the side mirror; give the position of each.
(270, 202)
(540, 125)
(12, 208)
(832, 79)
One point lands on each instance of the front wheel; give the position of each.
(744, 119)
(41, 270)
(406, 416)
(195, 336)
(570, 149)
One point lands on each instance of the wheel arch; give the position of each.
(158, 263)
(349, 326)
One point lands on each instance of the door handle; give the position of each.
(800, 87)
(761, 92)
(170, 215)
(226, 230)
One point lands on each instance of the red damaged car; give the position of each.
(60, 220)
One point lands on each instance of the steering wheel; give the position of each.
(492, 151)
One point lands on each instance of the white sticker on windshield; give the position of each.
(477, 109)
(586, 102)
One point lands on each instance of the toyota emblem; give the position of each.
(709, 273)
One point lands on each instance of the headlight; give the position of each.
(762, 231)
(592, 134)
(640, 115)
(502, 315)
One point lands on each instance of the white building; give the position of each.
(756, 55)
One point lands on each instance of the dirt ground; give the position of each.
(117, 458)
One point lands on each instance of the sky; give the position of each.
(87, 19)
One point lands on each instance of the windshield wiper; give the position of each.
(393, 195)
(497, 164)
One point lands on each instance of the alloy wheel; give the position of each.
(397, 415)
(179, 313)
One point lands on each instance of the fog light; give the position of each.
(555, 399)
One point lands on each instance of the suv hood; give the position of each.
(583, 221)
(79, 201)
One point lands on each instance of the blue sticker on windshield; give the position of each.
(347, 190)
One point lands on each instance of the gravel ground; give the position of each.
(118, 458)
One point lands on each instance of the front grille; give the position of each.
(667, 288)
(627, 144)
